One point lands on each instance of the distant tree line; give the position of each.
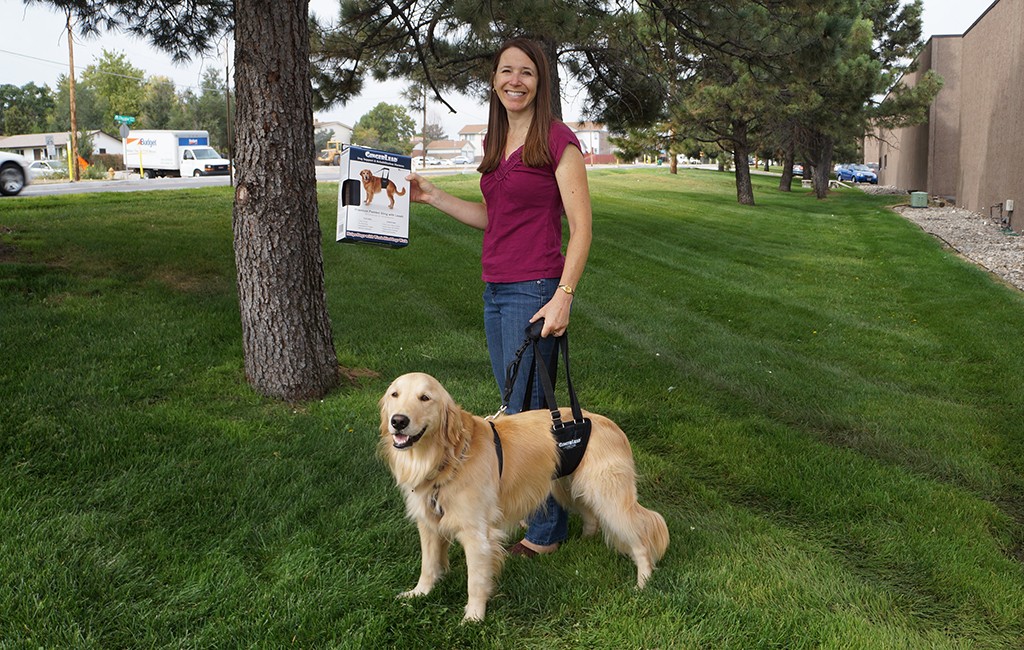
(113, 86)
(786, 79)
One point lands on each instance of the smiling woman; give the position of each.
(532, 174)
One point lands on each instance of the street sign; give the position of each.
(124, 130)
(124, 119)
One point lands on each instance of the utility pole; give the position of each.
(73, 163)
(423, 92)
(227, 101)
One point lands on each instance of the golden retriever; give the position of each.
(372, 185)
(445, 463)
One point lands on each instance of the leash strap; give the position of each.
(497, 448)
(511, 373)
(572, 437)
(561, 343)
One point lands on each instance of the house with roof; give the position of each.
(54, 146)
(474, 134)
(445, 149)
(593, 139)
(342, 131)
(968, 150)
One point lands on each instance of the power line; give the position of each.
(146, 80)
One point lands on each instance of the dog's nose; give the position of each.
(399, 422)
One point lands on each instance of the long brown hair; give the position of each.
(536, 152)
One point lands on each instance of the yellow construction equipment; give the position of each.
(331, 154)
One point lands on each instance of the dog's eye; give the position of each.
(424, 398)
(394, 393)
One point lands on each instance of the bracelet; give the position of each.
(566, 288)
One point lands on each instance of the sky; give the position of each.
(33, 48)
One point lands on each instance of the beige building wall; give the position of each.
(927, 157)
(944, 118)
(971, 148)
(992, 119)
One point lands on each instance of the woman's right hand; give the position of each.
(421, 190)
(471, 213)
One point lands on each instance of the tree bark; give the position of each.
(823, 166)
(286, 330)
(550, 47)
(786, 182)
(740, 153)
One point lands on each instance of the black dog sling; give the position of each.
(571, 437)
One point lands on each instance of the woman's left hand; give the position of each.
(555, 314)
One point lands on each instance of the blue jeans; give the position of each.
(507, 311)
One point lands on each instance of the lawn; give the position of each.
(822, 401)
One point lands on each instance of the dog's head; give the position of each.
(416, 410)
(366, 175)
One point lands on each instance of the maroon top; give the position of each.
(523, 238)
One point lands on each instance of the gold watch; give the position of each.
(566, 288)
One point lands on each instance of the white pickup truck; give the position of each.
(173, 153)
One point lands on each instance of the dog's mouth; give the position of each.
(404, 441)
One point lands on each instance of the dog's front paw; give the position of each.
(413, 593)
(474, 613)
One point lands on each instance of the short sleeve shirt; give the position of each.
(523, 238)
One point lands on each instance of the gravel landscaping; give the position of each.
(975, 236)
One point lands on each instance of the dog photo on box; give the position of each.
(373, 197)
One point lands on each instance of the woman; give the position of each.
(533, 171)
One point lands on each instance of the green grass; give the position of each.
(823, 403)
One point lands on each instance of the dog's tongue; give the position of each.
(401, 438)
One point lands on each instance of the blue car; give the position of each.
(857, 174)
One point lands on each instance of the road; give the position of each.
(50, 188)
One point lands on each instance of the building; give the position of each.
(474, 134)
(969, 149)
(445, 149)
(341, 131)
(593, 139)
(54, 146)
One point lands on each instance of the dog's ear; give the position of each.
(384, 430)
(452, 429)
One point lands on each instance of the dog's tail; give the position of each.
(400, 192)
(655, 532)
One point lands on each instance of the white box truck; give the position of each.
(173, 153)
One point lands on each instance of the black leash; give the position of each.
(497, 448)
(572, 437)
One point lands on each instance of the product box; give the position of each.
(373, 197)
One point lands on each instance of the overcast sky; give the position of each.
(33, 49)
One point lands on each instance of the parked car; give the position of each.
(857, 174)
(798, 169)
(46, 168)
(431, 160)
(461, 160)
(14, 175)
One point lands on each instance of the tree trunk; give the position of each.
(551, 51)
(740, 152)
(286, 330)
(786, 182)
(823, 167)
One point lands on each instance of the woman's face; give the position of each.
(515, 80)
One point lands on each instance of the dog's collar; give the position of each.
(446, 463)
(436, 487)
